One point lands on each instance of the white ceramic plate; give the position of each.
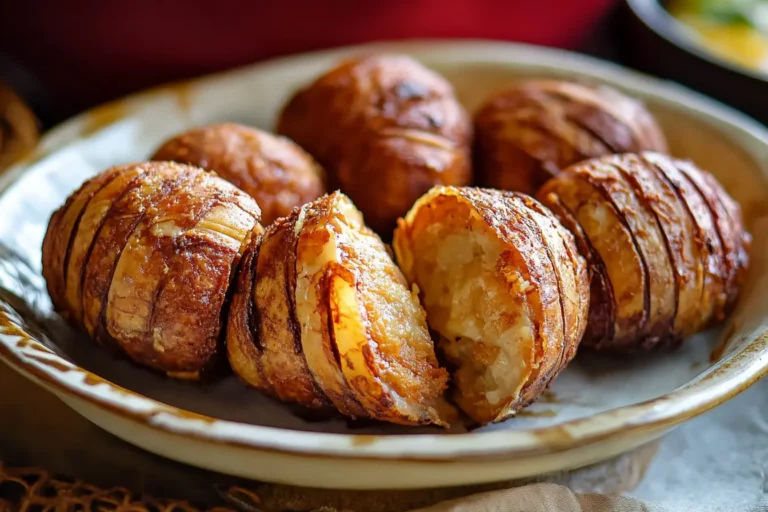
(599, 407)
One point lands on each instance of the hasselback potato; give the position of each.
(386, 129)
(664, 241)
(503, 285)
(141, 257)
(271, 169)
(528, 133)
(323, 318)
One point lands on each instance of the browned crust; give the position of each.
(742, 241)
(611, 237)
(61, 229)
(274, 297)
(553, 342)
(273, 170)
(660, 297)
(572, 275)
(600, 326)
(705, 236)
(535, 245)
(125, 214)
(164, 310)
(386, 129)
(690, 243)
(528, 133)
(172, 279)
(729, 231)
(244, 349)
(84, 237)
(662, 204)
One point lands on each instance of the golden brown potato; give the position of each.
(141, 257)
(322, 317)
(271, 169)
(386, 129)
(504, 286)
(527, 134)
(665, 244)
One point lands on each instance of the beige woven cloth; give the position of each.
(541, 498)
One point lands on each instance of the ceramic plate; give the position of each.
(599, 407)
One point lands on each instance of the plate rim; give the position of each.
(724, 380)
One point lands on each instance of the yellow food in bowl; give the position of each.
(726, 30)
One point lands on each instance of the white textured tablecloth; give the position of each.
(716, 462)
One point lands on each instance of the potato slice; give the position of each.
(264, 336)
(612, 239)
(344, 277)
(90, 223)
(705, 236)
(507, 319)
(677, 229)
(61, 230)
(660, 299)
(729, 231)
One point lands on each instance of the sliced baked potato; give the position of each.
(333, 322)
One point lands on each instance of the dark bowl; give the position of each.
(655, 42)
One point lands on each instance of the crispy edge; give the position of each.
(92, 218)
(58, 238)
(572, 273)
(660, 280)
(705, 236)
(283, 361)
(121, 220)
(318, 346)
(600, 323)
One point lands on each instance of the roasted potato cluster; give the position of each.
(624, 248)
(503, 285)
(277, 173)
(386, 129)
(526, 134)
(665, 243)
(141, 257)
(323, 317)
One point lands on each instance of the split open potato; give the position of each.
(505, 288)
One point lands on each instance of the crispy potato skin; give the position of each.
(141, 257)
(540, 277)
(386, 129)
(307, 326)
(527, 134)
(685, 231)
(273, 170)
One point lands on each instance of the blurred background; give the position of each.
(63, 57)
